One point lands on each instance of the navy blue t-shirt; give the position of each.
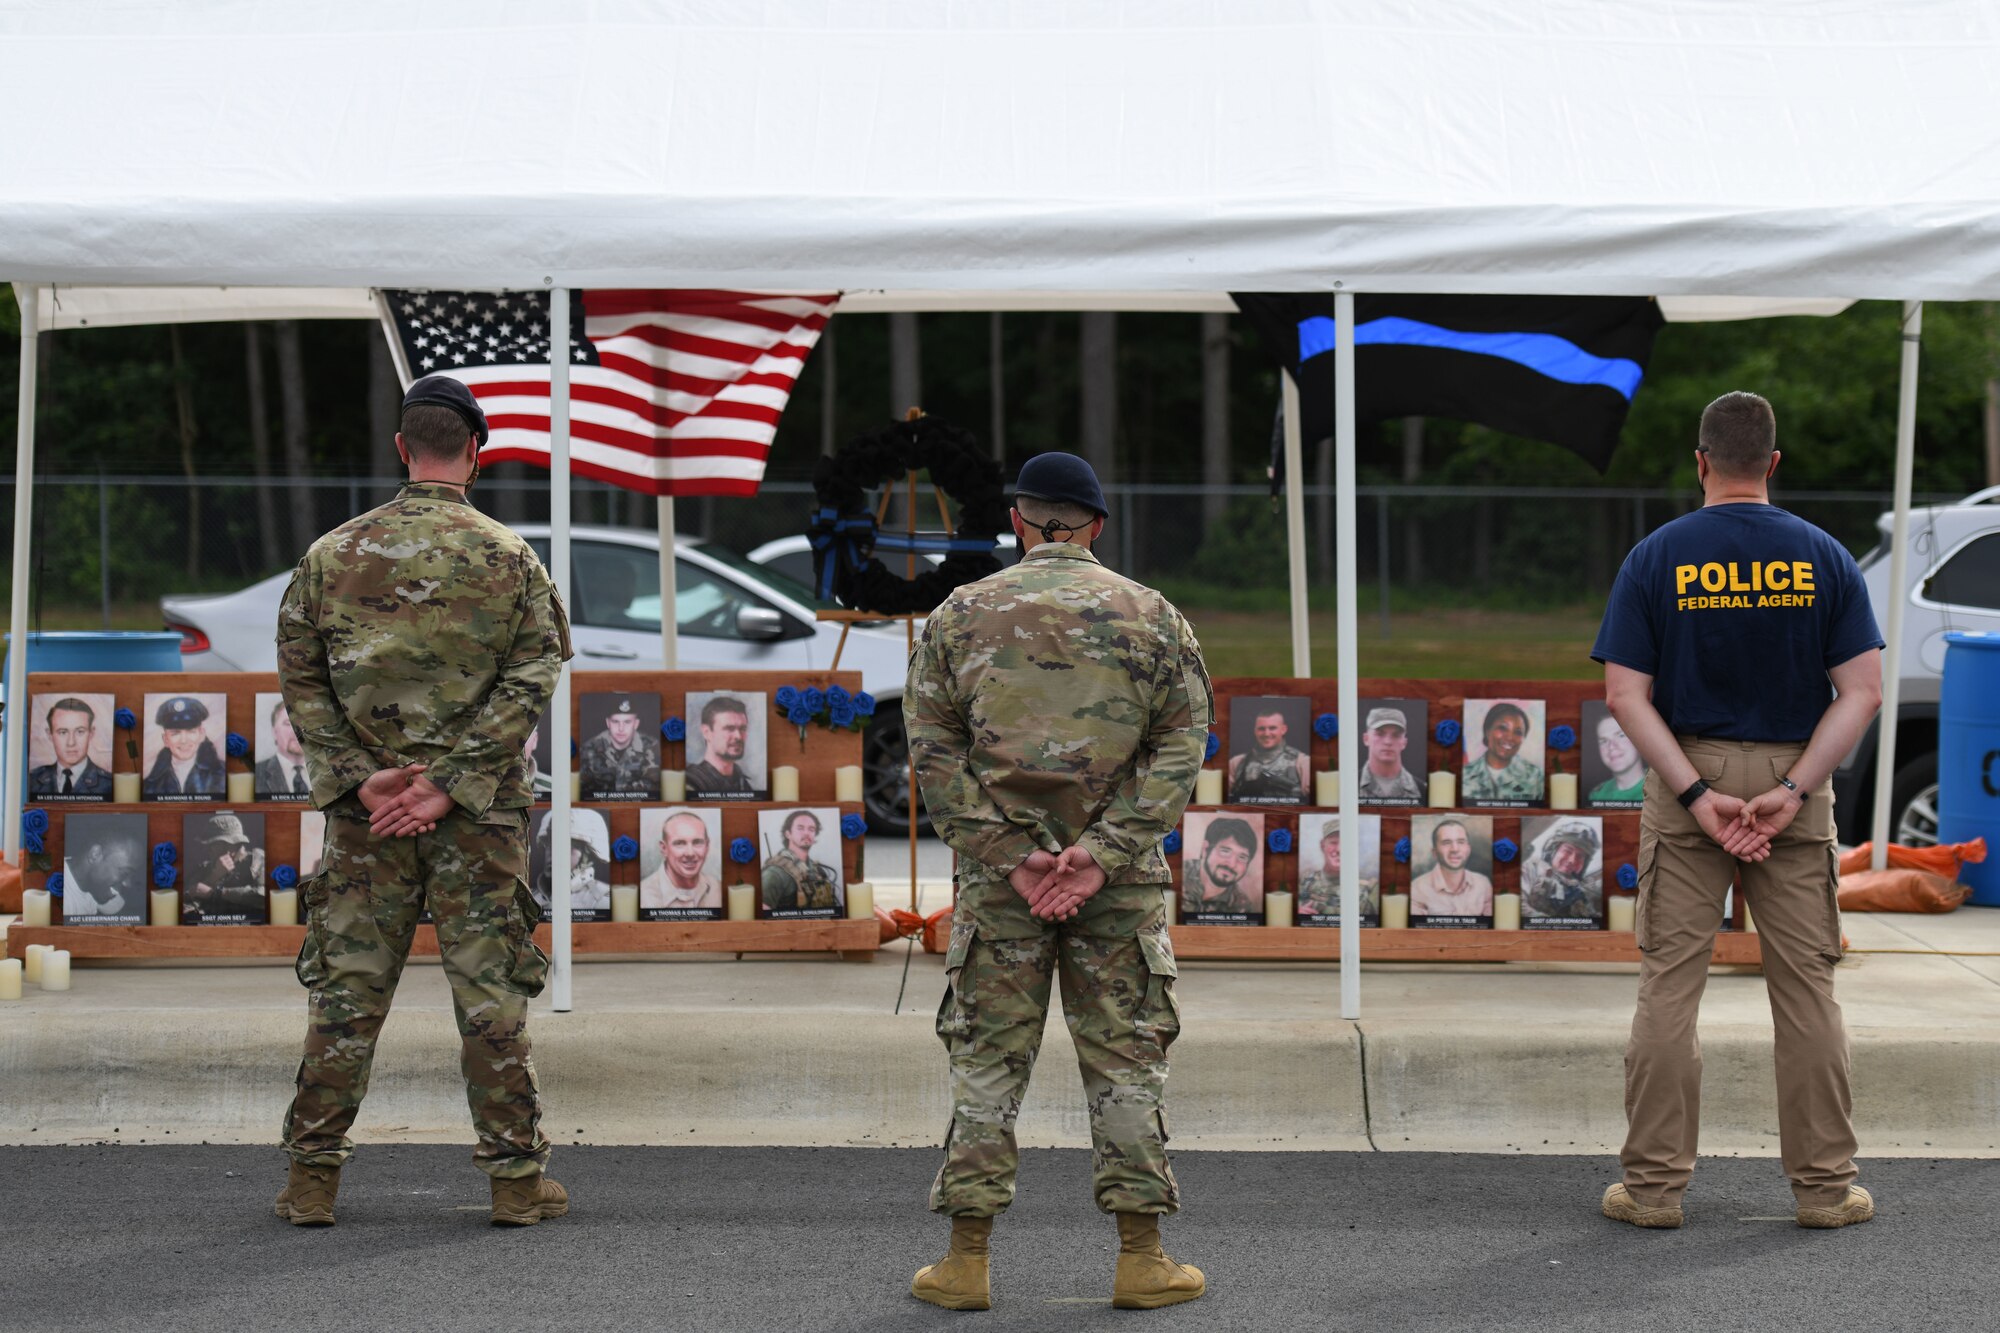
(1737, 612)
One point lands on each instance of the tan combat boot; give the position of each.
(1620, 1206)
(526, 1200)
(1147, 1278)
(959, 1281)
(1858, 1206)
(307, 1198)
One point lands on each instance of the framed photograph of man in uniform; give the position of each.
(1222, 868)
(222, 870)
(726, 736)
(680, 864)
(1319, 870)
(1505, 740)
(184, 739)
(1451, 871)
(312, 843)
(280, 774)
(802, 869)
(589, 864)
(1268, 738)
(1614, 773)
(1395, 768)
(106, 872)
(1562, 872)
(69, 747)
(621, 746)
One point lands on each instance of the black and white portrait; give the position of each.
(106, 871)
(589, 865)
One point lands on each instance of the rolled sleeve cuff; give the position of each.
(1109, 859)
(346, 770)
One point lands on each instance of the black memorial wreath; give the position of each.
(847, 545)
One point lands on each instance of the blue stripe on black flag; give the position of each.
(1543, 353)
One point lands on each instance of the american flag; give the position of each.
(671, 392)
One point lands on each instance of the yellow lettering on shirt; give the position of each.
(1683, 575)
(1736, 583)
(1712, 576)
(1802, 576)
(1778, 575)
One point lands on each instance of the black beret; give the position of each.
(444, 391)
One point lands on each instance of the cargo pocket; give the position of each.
(954, 1015)
(1159, 1017)
(528, 966)
(310, 966)
(1831, 947)
(1642, 911)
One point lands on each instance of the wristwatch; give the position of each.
(1788, 784)
(1693, 794)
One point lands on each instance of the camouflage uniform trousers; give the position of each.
(1117, 968)
(362, 912)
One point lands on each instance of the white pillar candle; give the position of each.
(1395, 911)
(742, 902)
(784, 783)
(10, 978)
(125, 788)
(284, 907)
(242, 788)
(1326, 788)
(847, 782)
(55, 970)
(1562, 791)
(1749, 924)
(1208, 787)
(164, 907)
(860, 901)
(624, 902)
(1444, 791)
(575, 788)
(35, 907)
(1173, 906)
(673, 785)
(1619, 909)
(31, 966)
(1507, 911)
(1277, 909)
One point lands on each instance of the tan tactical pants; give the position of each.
(1683, 876)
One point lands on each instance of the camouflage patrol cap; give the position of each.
(444, 391)
(1386, 717)
(226, 828)
(180, 713)
(1062, 479)
(1580, 836)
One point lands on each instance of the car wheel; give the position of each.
(885, 773)
(1913, 803)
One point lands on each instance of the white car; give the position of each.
(733, 615)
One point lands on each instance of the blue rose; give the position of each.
(574, 748)
(625, 849)
(285, 876)
(1448, 732)
(812, 701)
(742, 851)
(786, 697)
(1214, 744)
(852, 826)
(32, 842)
(1562, 738)
(164, 854)
(236, 745)
(800, 715)
(1628, 876)
(1172, 842)
(836, 696)
(843, 713)
(164, 876)
(1279, 840)
(1402, 851)
(1326, 726)
(1505, 850)
(864, 704)
(126, 719)
(55, 885)
(34, 821)
(674, 728)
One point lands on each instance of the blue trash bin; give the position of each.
(1969, 755)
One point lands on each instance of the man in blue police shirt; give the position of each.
(1741, 656)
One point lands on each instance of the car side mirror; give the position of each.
(761, 623)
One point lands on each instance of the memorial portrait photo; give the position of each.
(280, 774)
(106, 870)
(1451, 871)
(69, 747)
(185, 738)
(222, 870)
(1319, 870)
(312, 843)
(1222, 868)
(1562, 872)
(1269, 740)
(801, 862)
(680, 864)
(1504, 744)
(589, 864)
(1395, 768)
(620, 738)
(726, 734)
(1614, 773)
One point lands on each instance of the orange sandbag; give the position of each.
(1899, 891)
(1944, 859)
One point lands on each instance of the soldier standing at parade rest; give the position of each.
(1057, 713)
(1741, 656)
(417, 645)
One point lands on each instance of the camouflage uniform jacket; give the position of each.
(1557, 895)
(1518, 781)
(1056, 704)
(422, 630)
(798, 884)
(608, 768)
(1402, 787)
(1320, 895)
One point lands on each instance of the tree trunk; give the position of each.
(293, 436)
(260, 447)
(1413, 471)
(185, 423)
(1099, 375)
(997, 372)
(906, 365)
(1214, 417)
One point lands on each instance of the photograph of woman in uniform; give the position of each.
(1265, 766)
(1319, 870)
(680, 864)
(1451, 868)
(621, 749)
(1562, 872)
(183, 747)
(589, 865)
(1222, 869)
(725, 746)
(1614, 773)
(801, 877)
(1503, 754)
(105, 870)
(280, 774)
(223, 881)
(69, 747)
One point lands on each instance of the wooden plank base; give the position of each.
(1322, 945)
(855, 941)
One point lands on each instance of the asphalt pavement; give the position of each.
(170, 1238)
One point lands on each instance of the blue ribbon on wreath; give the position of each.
(742, 851)
(1279, 840)
(625, 848)
(236, 744)
(285, 876)
(852, 826)
(1172, 842)
(932, 543)
(1326, 726)
(1448, 731)
(1505, 850)
(1628, 876)
(674, 728)
(1402, 851)
(839, 542)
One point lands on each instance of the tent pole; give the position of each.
(559, 730)
(15, 777)
(1347, 655)
(1295, 529)
(670, 623)
(1899, 545)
